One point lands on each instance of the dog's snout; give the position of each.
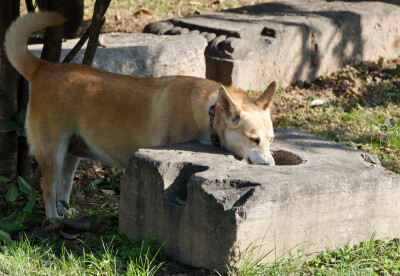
(261, 160)
(270, 163)
(264, 163)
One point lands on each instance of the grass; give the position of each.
(369, 121)
(373, 257)
(58, 250)
(27, 256)
(132, 16)
(164, 9)
(361, 128)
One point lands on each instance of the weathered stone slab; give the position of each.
(145, 54)
(321, 195)
(289, 41)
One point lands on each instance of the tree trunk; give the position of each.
(53, 35)
(25, 162)
(74, 14)
(9, 11)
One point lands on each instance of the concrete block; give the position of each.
(320, 195)
(144, 55)
(289, 41)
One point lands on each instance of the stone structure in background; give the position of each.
(144, 55)
(320, 195)
(290, 41)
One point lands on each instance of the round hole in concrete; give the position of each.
(282, 158)
(286, 158)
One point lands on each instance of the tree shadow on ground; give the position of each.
(346, 41)
(392, 2)
(324, 35)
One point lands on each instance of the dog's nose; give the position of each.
(270, 163)
(260, 159)
(264, 162)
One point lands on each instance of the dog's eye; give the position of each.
(255, 140)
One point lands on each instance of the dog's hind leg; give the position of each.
(51, 158)
(65, 182)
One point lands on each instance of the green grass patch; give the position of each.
(362, 110)
(117, 255)
(28, 256)
(361, 128)
(373, 257)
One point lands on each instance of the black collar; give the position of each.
(214, 135)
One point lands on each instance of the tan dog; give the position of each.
(78, 111)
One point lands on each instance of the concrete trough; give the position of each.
(320, 195)
(290, 41)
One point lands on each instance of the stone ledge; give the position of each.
(289, 41)
(144, 55)
(321, 195)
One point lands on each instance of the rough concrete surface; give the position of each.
(289, 41)
(321, 195)
(144, 55)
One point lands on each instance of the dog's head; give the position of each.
(244, 126)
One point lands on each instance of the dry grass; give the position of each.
(132, 16)
(362, 109)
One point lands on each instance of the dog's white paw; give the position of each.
(66, 213)
(73, 211)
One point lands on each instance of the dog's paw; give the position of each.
(73, 211)
(66, 213)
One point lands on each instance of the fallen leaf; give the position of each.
(317, 102)
(68, 236)
(354, 92)
(143, 14)
(80, 223)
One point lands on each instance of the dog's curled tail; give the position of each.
(17, 36)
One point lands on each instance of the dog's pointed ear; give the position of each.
(230, 109)
(265, 100)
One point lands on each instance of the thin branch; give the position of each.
(78, 46)
(29, 6)
(91, 33)
(100, 8)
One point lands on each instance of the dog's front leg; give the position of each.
(50, 178)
